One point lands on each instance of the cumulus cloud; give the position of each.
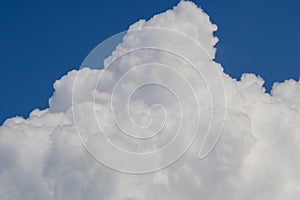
(161, 107)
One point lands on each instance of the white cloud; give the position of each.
(257, 156)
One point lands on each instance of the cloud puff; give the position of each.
(159, 104)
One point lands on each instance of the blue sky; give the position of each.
(43, 40)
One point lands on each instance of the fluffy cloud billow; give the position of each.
(160, 120)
